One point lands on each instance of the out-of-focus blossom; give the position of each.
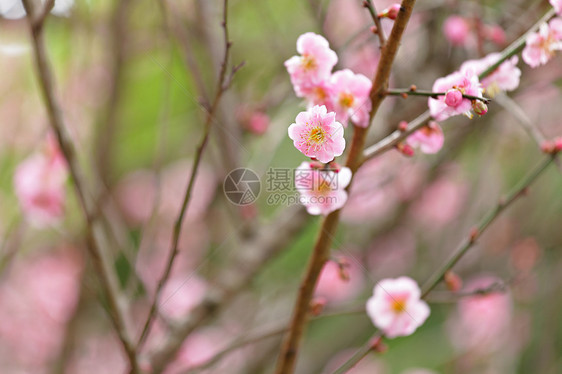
(321, 191)
(314, 64)
(483, 321)
(350, 97)
(396, 307)
(255, 121)
(13, 9)
(496, 34)
(340, 282)
(39, 297)
(317, 134)
(181, 294)
(392, 253)
(456, 30)
(319, 94)
(39, 182)
(440, 202)
(557, 4)
(466, 83)
(505, 78)
(542, 45)
(429, 139)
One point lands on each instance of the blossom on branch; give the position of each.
(314, 64)
(557, 4)
(396, 307)
(453, 103)
(350, 98)
(542, 45)
(317, 134)
(429, 139)
(504, 78)
(322, 191)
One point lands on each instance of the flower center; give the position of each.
(346, 100)
(317, 135)
(320, 94)
(398, 305)
(308, 62)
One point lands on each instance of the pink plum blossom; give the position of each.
(541, 46)
(321, 191)
(317, 134)
(314, 64)
(456, 30)
(396, 307)
(350, 97)
(340, 282)
(557, 4)
(505, 78)
(39, 182)
(429, 139)
(445, 106)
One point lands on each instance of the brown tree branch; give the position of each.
(118, 308)
(289, 350)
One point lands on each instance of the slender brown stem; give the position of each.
(376, 20)
(95, 233)
(289, 350)
(410, 92)
(222, 85)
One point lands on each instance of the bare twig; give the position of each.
(95, 234)
(374, 15)
(220, 88)
(288, 354)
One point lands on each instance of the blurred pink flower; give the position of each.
(350, 97)
(181, 294)
(39, 296)
(542, 45)
(391, 12)
(504, 78)
(456, 30)
(39, 182)
(429, 139)
(314, 64)
(321, 191)
(396, 307)
(320, 93)
(258, 123)
(482, 322)
(339, 287)
(496, 34)
(466, 82)
(317, 134)
(557, 4)
(440, 202)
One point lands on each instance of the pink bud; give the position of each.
(479, 107)
(558, 144)
(453, 97)
(403, 126)
(405, 149)
(391, 12)
(496, 34)
(547, 146)
(452, 281)
(317, 305)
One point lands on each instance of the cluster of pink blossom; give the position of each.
(504, 78)
(542, 45)
(39, 182)
(429, 139)
(557, 5)
(344, 92)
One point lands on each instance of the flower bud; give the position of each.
(391, 12)
(405, 149)
(479, 107)
(452, 281)
(317, 305)
(453, 97)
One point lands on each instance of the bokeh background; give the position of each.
(132, 106)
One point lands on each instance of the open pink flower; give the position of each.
(321, 191)
(314, 64)
(456, 30)
(542, 45)
(429, 139)
(317, 134)
(445, 106)
(396, 307)
(350, 97)
(557, 5)
(504, 78)
(39, 184)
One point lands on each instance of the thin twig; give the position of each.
(409, 92)
(220, 88)
(289, 350)
(377, 21)
(95, 234)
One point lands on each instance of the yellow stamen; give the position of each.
(346, 100)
